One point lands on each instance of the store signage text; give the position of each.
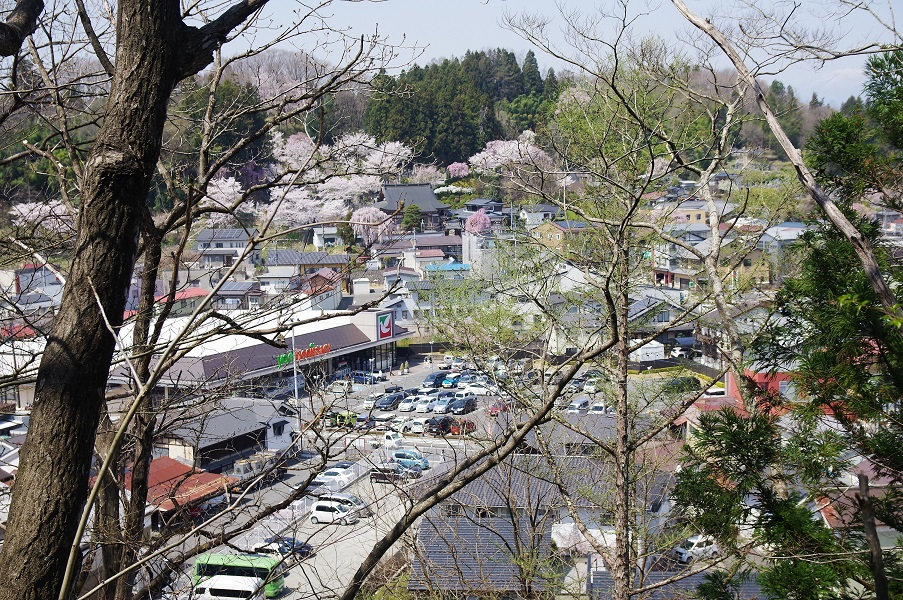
(302, 354)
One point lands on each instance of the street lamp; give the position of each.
(431, 351)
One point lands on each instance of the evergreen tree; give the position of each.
(550, 85)
(412, 218)
(532, 79)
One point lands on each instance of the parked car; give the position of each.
(462, 427)
(393, 472)
(465, 379)
(599, 408)
(336, 478)
(574, 385)
(399, 422)
(283, 545)
(364, 422)
(464, 405)
(433, 380)
(451, 380)
(325, 511)
(439, 425)
(409, 457)
(383, 421)
(441, 405)
(458, 364)
(363, 377)
(482, 389)
(498, 407)
(682, 352)
(578, 406)
(417, 425)
(389, 401)
(593, 385)
(408, 404)
(380, 375)
(426, 404)
(358, 506)
(371, 400)
(695, 547)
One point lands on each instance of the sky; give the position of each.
(449, 28)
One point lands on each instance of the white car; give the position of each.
(593, 385)
(325, 511)
(417, 425)
(370, 401)
(408, 404)
(481, 389)
(398, 423)
(696, 547)
(599, 409)
(578, 406)
(426, 405)
(336, 478)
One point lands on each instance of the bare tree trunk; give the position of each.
(52, 483)
(623, 457)
(876, 559)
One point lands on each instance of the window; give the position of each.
(747, 262)
(279, 428)
(219, 245)
(557, 236)
(663, 316)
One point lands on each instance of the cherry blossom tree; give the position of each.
(507, 154)
(427, 174)
(52, 216)
(458, 170)
(478, 222)
(371, 224)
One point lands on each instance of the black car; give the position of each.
(393, 472)
(389, 401)
(433, 380)
(287, 545)
(393, 389)
(462, 406)
(364, 423)
(439, 425)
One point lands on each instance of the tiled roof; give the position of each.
(420, 194)
(472, 554)
(207, 235)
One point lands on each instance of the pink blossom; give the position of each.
(426, 174)
(478, 222)
(51, 215)
(500, 154)
(458, 170)
(863, 210)
(370, 224)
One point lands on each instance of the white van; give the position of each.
(696, 547)
(325, 511)
(577, 406)
(229, 587)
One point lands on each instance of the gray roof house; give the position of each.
(221, 247)
(238, 295)
(601, 586)
(432, 209)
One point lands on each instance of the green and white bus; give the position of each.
(268, 568)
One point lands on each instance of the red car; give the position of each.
(497, 407)
(462, 427)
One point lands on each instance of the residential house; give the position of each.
(446, 270)
(394, 275)
(565, 236)
(274, 280)
(432, 211)
(222, 247)
(237, 295)
(534, 215)
(326, 236)
(393, 249)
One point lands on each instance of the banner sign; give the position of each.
(384, 326)
(301, 354)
